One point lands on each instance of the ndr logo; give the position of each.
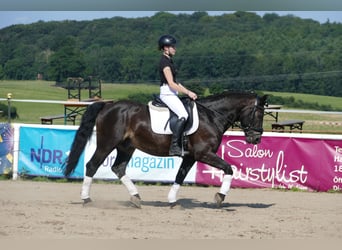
(45, 155)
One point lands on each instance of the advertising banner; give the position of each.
(281, 160)
(278, 162)
(6, 148)
(141, 167)
(42, 151)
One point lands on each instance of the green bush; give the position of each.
(4, 109)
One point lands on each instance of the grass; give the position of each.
(42, 90)
(335, 102)
(314, 123)
(30, 113)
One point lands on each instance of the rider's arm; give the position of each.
(177, 86)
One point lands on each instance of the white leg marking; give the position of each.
(86, 187)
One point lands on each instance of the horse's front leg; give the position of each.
(119, 168)
(213, 160)
(188, 162)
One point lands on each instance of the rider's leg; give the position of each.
(176, 140)
(175, 104)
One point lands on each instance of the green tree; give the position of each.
(67, 62)
(239, 50)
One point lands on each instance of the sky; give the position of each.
(8, 18)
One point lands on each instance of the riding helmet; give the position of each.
(166, 40)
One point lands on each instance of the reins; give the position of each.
(249, 126)
(215, 111)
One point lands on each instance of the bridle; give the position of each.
(250, 126)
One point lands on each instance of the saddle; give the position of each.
(163, 119)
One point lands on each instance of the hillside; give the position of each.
(235, 51)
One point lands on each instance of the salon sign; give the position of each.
(279, 162)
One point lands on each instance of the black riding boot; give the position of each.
(175, 148)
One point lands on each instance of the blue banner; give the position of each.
(42, 152)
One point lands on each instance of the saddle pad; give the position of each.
(160, 120)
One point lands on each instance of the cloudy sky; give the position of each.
(8, 18)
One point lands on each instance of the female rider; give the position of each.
(169, 89)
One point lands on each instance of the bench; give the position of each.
(292, 124)
(49, 119)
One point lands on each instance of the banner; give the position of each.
(42, 151)
(6, 148)
(281, 160)
(278, 162)
(141, 167)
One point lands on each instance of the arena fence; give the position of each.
(282, 160)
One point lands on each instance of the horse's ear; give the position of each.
(264, 100)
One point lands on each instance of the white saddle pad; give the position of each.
(160, 120)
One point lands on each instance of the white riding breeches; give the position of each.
(171, 99)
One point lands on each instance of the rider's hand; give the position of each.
(192, 95)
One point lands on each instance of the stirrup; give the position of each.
(175, 152)
(180, 153)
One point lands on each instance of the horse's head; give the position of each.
(251, 119)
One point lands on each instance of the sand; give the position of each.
(51, 210)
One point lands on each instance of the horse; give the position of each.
(125, 125)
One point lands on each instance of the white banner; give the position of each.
(141, 167)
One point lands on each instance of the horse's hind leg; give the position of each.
(119, 168)
(91, 167)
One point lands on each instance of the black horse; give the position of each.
(126, 126)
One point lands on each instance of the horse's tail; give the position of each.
(82, 136)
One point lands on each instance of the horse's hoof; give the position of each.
(219, 198)
(86, 201)
(136, 200)
(173, 204)
(176, 206)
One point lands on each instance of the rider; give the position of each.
(169, 89)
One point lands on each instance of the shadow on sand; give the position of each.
(192, 204)
(181, 204)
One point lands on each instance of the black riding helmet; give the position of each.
(166, 40)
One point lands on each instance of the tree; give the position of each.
(67, 62)
(240, 50)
